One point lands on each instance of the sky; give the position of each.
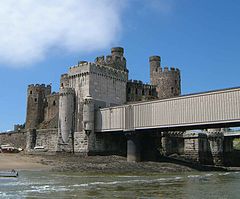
(40, 40)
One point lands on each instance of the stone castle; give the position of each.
(64, 121)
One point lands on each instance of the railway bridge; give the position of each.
(213, 109)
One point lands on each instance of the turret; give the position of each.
(115, 60)
(117, 51)
(155, 64)
(36, 102)
(88, 115)
(66, 113)
(64, 81)
(167, 80)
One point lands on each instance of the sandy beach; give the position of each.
(17, 161)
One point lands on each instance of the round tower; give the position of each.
(167, 81)
(155, 66)
(66, 113)
(117, 51)
(36, 101)
(88, 115)
(64, 81)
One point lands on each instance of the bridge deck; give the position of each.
(210, 109)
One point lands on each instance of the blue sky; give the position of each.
(40, 39)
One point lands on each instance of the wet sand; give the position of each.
(17, 161)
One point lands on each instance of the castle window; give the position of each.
(54, 103)
(172, 89)
(35, 99)
(30, 92)
(143, 93)
(61, 84)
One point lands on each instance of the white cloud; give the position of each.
(30, 28)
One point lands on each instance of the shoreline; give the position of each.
(18, 161)
(93, 164)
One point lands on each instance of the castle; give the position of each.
(64, 121)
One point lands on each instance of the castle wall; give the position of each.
(16, 139)
(137, 91)
(108, 85)
(51, 110)
(47, 138)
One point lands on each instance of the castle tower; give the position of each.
(155, 64)
(88, 114)
(64, 81)
(36, 102)
(88, 122)
(167, 81)
(66, 114)
(117, 52)
(118, 58)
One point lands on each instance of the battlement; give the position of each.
(53, 94)
(39, 86)
(135, 81)
(64, 75)
(117, 51)
(82, 63)
(118, 62)
(140, 83)
(171, 69)
(115, 60)
(155, 58)
(66, 91)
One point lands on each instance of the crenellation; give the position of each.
(80, 63)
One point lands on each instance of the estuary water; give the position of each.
(42, 184)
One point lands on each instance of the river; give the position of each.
(39, 184)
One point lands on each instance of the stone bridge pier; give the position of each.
(142, 146)
(133, 147)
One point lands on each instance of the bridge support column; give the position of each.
(215, 140)
(133, 147)
(195, 147)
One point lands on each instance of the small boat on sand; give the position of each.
(8, 174)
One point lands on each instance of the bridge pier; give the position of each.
(133, 147)
(215, 140)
